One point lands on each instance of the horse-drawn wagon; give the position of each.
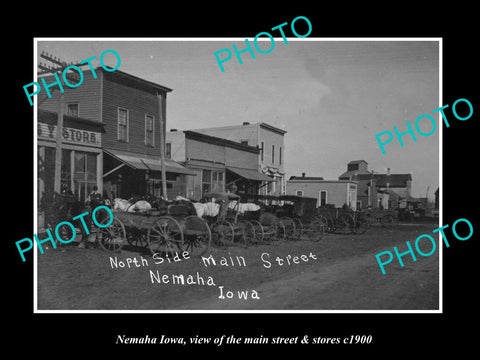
(268, 225)
(226, 226)
(301, 211)
(171, 227)
(342, 220)
(60, 208)
(381, 217)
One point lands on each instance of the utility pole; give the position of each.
(369, 189)
(58, 68)
(162, 103)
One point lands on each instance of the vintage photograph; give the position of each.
(237, 175)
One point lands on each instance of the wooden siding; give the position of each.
(138, 103)
(87, 95)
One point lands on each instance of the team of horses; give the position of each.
(200, 208)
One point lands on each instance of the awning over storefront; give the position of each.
(271, 171)
(249, 174)
(145, 162)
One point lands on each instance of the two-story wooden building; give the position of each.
(129, 111)
(375, 189)
(219, 164)
(271, 142)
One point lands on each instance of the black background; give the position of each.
(61, 335)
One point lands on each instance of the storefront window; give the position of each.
(85, 174)
(154, 187)
(212, 181)
(206, 181)
(220, 181)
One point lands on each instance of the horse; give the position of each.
(128, 206)
(63, 207)
(243, 207)
(202, 209)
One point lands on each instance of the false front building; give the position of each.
(327, 192)
(219, 164)
(124, 114)
(271, 142)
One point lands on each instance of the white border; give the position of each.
(35, 169)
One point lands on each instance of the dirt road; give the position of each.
(350, 284)
(341, 274)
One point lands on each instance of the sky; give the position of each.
(332, 96)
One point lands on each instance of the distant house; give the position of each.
(327, 192)
(375, 189)
(354, 167)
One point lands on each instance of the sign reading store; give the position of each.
(76, 131)
(71, 135)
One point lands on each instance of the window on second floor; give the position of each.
(273, 154)
(261, 151)
(352, 167)
(168, 150)
(72, 110)
(149, 130)
(122, 123)
(280, 155)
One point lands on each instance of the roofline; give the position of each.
(273, 128)
(135, 78)
(257, 124)
(219, 141)
(126, 75)
(356, 161)
(324, 181)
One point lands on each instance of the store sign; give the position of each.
(71, 135)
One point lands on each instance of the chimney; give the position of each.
(245, 123)
(173, 130)
(303, 175)
(388, 171)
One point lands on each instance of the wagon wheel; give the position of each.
(386, 219)
(259, 232)
(111, 238)
(298, 228)
(136, 237)
(239, 234)
(165, 236)
(248, 230)
(197, 235)
(329, 223)
(369, 219)
(65, 233)
(279, 230)
(360, 226)
(315, 230)
(289, 227)
(345, 224)
(222, 233)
